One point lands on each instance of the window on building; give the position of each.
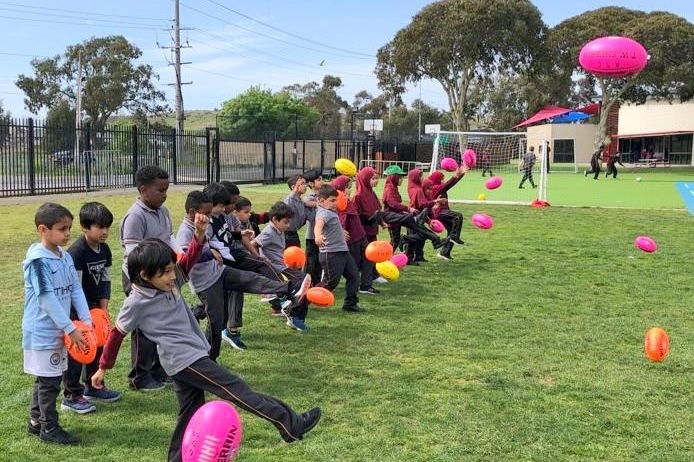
(563, 151)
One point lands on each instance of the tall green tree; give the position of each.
(60, 128)
(327, 103)
(669, 74)
(261, 114)
(457, 42)
(111, 80)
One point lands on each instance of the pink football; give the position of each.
(645, 243)
(213, 433)
(436, 226)
(613, 57)
(482, 220)
(470, 158)
(494, 182)
(449, 164)
(399, 260)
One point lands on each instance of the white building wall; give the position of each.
(655, 117)
(582, 134)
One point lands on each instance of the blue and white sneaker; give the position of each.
(297, 323)
(233, 339)
(102, 394)
(79, 405)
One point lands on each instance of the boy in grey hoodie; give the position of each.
(51, 286)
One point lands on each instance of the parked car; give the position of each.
(66, 157)
(63, 158)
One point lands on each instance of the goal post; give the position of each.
(498, 154)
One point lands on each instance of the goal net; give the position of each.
(498, 154)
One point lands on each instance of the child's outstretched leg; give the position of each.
(206, 375)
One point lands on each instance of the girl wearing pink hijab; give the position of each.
(435, 189)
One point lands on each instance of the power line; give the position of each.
(265, 35)
(289, 33)
(84, 23)
(91, 14)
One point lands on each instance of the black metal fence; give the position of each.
(36, 158)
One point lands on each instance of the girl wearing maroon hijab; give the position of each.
(396, 215)
(435, 189)
(369, 211)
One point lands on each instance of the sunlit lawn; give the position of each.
(528, 346)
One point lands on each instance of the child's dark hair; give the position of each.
(148, 174)
(231, 187)
(218, 194)
(195, 199)
(95, 213)
(149, 258)
(280, 210)
(242, 202)
(51, 213)
(326, 191)
(292, 180)
(312, 175)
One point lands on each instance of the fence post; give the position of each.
(322, 155)
(174, 174)
(31, 153)
(89, 158)
(274, 160)
(135, 149)
(208, 153)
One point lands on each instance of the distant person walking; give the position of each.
(527, 167)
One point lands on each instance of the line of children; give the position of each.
(434, 188)
(213, 282)
(156, 307)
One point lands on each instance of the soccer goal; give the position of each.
(498, 154)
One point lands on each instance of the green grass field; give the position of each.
(528, 346)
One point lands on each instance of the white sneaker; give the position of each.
(267, 297)
(381, 280)
(443, 257)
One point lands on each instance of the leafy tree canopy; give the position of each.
(668, 38)
(323, 98)
(459, 41)
(261, 114)
(111, 80)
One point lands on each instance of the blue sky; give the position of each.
(237, 44)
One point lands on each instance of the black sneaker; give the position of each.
(353, 308)
(33, 428)
(150, 386)
(440, 243)
(370, 291)
(57, 435)
(457, 241)
(308, 420)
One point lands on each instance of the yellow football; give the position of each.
(388, 270)
(345, 167)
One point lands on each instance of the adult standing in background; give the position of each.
(527, 167)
